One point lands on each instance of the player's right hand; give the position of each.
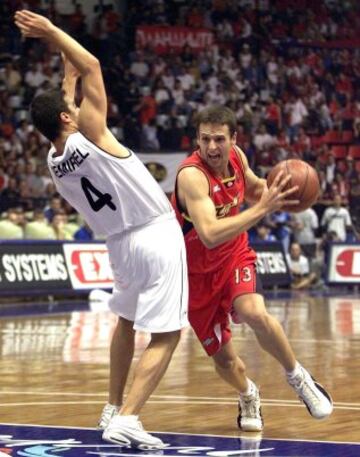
(33, 25)
(275, 197)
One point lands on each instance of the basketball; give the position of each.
(302, 175)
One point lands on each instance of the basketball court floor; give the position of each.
(54, 371)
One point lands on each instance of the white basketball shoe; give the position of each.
(250, 418)
(313, 394)
(128, 431)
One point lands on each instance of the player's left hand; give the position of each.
(33, 25)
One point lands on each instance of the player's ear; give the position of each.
(64, 117)
(233, 139)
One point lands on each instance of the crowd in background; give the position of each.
(295, 92)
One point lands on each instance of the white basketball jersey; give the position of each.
(113, 194)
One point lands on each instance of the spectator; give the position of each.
(84, 233)
(263, 140)
(297, 113)
(54, 207)
(149, 136)
(302, 276)
(39, 228)
(58, 224)
(10, 228)
(273, 116)
(9, 196)
(354, 200)
(262, 234)
(147, 108)
(305, 224)
(330, 168)
(336, 219)
(11, 77)
(280, 221)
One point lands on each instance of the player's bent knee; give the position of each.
(257, 319)
(229, 364)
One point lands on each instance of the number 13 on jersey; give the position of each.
(243, 275)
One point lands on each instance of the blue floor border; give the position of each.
(46, 441)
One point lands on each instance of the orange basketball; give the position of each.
(302, 175)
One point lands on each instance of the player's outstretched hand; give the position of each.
(277, 196)
(33, 25)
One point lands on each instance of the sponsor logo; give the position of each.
(157, 170)
(271, 263)
(344, 263)
(208, 341)
(164, 38)
(348, 263)
(88, 265)
(34, 267)
(223, 210)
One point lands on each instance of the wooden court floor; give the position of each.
(54, 371)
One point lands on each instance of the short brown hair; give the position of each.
(217, 114)
(45, 112)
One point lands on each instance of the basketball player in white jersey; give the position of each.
(118, 197)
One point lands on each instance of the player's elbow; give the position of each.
(209, 244)
(209, 239)
(92, 65)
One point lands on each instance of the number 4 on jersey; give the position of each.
(91, 191)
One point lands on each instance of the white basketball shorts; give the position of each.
(150, 276)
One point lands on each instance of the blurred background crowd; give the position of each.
(289, 69)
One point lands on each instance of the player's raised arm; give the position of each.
(93, 109)
(71, 75)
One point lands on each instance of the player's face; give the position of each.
(215, 143)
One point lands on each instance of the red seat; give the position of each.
(340, 152)
(357, 165)
(347, 136)
(316, 141)
(332, 136)
(354, 151)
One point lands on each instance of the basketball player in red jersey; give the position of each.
(211, 185)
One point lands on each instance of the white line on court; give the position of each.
(287, 404)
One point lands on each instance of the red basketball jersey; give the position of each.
(227, 195)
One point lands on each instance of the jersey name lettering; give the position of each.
(69, 165)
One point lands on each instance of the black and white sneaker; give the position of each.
(316, 399)
(250, 418)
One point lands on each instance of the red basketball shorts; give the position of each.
(211, 298)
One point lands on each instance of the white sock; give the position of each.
(295, 371)
(114, 406)
(251, 389)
